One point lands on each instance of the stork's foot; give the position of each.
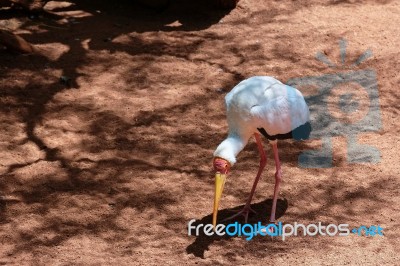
(269, 230)
(244, 212)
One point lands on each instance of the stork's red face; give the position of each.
(222, 168)
(221, 165)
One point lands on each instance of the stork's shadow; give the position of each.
(263, 211)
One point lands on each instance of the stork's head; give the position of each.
(221, 167)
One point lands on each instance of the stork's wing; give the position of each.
(240, 95)
(282, 110)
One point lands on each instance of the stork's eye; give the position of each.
(221, 165)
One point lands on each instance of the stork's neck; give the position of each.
(230, 147)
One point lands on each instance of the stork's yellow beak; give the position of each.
(219, 187)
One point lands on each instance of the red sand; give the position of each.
(110, 169)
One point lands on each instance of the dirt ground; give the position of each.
(107, 133)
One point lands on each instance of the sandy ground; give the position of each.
(110, 166)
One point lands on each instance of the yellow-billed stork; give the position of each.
(256, 105)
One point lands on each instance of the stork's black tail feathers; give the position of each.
(300, 133)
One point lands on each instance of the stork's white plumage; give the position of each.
(256, 105)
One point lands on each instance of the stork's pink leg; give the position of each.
(278, 177)
(263, 161)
